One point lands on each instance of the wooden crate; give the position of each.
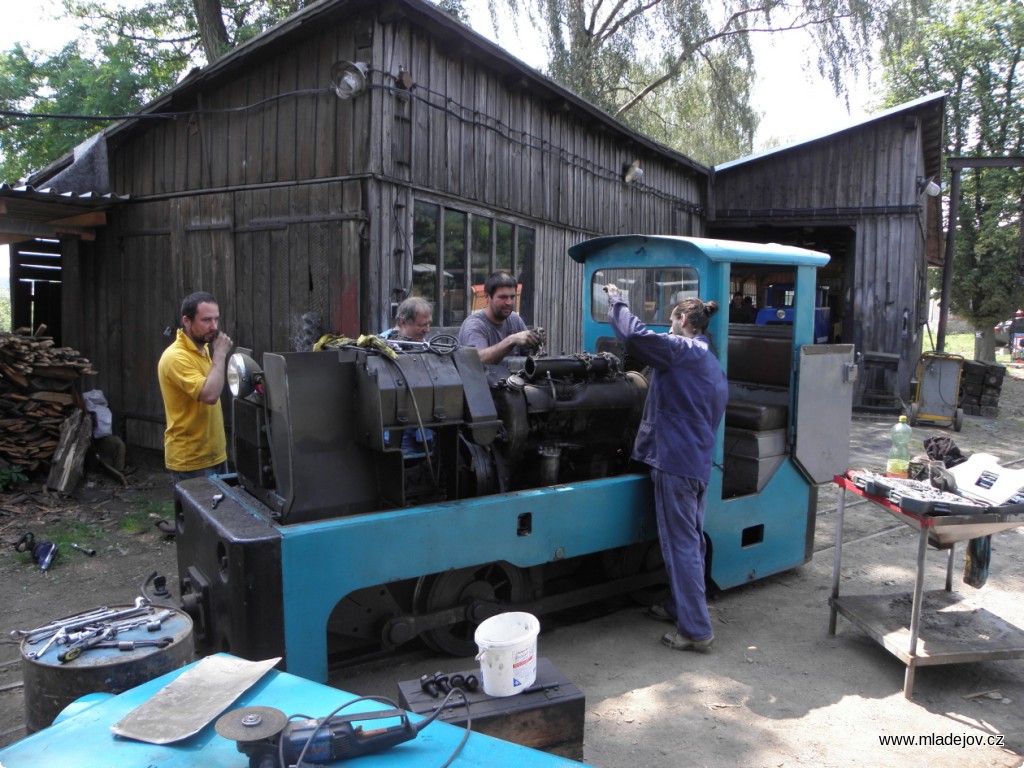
(547, 716)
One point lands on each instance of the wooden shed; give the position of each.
(862, 195)
(356, 153)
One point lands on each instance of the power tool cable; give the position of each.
(383, 700)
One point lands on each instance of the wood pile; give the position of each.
(37, 393)
(980, 387)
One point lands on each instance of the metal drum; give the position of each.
(126, 660)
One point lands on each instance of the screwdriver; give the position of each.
(86, 550)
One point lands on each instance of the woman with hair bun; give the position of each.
(685, 405)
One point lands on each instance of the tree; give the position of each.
(593, 44)
(124, 58)
(975, 54)
(705, 113)
(71, 83)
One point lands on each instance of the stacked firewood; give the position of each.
(37, 393)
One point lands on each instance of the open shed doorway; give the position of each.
(36, 287)
(836, 277)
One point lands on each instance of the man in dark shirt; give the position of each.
(497, 330)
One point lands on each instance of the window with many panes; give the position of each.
(453, 253)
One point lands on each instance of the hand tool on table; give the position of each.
(59, 636)
(74, 650)
(131, 645)
(88, 620)
(152, 623)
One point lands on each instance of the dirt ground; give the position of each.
(777, 689)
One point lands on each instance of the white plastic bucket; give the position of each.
(508, 653)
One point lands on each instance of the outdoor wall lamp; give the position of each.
(348, 78)
(633, 173)
(928, 187)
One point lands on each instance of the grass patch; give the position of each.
(963, 344)
(960, 344)
(146, 513)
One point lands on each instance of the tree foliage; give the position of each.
(124, 58)
(68, 83)
(705, 113)
(593, 46)
(974, 52)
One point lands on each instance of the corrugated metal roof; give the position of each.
(27, 212)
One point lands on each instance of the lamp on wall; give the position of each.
(928, 187)
(633, 173)
(348, 78)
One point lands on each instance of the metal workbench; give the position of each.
(82, 736)
(957, 631)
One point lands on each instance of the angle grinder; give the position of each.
(271, 740)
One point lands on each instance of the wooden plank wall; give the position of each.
(481, 140)
(303, 202)
(269, 255)
(867, 178)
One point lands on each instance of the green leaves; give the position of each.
(974, 52)
(123, 59)
(638, 59)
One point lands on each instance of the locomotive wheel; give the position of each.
(644, 557)
(494, 582)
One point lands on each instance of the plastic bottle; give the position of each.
(899, 453)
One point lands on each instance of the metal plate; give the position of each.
(184, 706)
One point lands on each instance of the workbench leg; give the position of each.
(908, 681)
(837, 560)
(949, 568)
(915, 611)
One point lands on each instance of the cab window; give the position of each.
(651, 292)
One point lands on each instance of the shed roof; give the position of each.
(930, 108)
(311, 19)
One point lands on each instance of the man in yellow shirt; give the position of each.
(192, 371)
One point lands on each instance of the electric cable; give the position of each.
(450, 106)
(435, 476)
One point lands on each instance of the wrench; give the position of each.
(73, 651)
(82, 620)
(131, 645)
(56, 638)
(47, 629)
(151, 623)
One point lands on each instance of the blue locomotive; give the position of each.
(332, 540)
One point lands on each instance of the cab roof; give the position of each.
(713, 250)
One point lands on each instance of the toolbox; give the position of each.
(548, 716)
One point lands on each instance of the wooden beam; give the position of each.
(16, 230)
(985, 162)
(91, 219)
